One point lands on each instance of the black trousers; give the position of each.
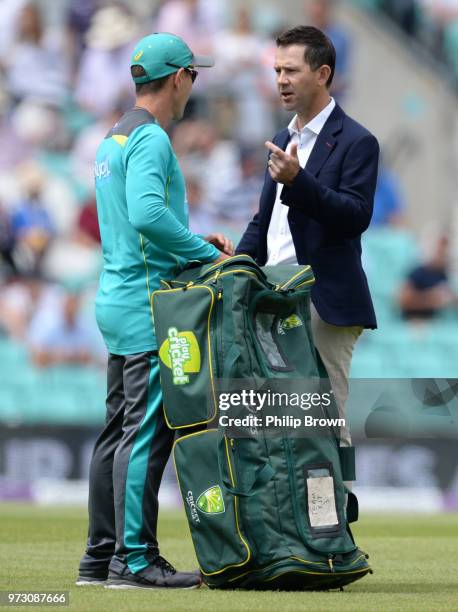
(127, 465)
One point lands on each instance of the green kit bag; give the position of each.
(265, 512)
(203, 320)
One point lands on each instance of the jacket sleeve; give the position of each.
(348, 210)
(147, 161)
(248, 244)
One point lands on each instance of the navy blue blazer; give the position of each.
(330, 205)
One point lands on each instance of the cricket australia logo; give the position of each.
(192, 507)
(180, 352)
(211, 501)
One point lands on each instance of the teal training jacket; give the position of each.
(143, 217)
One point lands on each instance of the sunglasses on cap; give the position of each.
(191, 71)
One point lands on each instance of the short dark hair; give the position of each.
(150, 87)
(319, 49)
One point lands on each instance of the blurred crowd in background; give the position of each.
(433, 23)
(64, 81)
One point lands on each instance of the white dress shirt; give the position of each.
(280, 247)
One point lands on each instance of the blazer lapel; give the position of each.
(270, 186)
(326, 141)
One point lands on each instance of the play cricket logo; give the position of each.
(290, 323)
(180, 352)
(211, 501)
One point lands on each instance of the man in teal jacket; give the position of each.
(143, 217)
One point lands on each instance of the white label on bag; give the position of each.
(322, 502)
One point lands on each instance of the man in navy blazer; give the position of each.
(317, 200)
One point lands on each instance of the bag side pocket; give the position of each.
(212, 512)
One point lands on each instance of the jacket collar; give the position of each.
(316, 124)
(325, 142)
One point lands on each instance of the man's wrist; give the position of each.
(292, 179)
(287, 188)
(216, 253)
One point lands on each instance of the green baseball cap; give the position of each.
(161, 54)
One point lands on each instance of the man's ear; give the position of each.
(178, 77)
(323, 74)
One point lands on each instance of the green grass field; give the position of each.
(414, 558)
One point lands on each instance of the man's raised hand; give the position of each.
(283, 167)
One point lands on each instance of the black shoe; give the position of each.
(159, 574)
(93, 570)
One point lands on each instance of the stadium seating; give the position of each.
(399, 349)
(70, 394)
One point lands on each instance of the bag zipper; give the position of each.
(309, 279)
(218, 274)
(293, 488)
(244, 261)
(219, 353)
(304, 562)
(231, 465)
